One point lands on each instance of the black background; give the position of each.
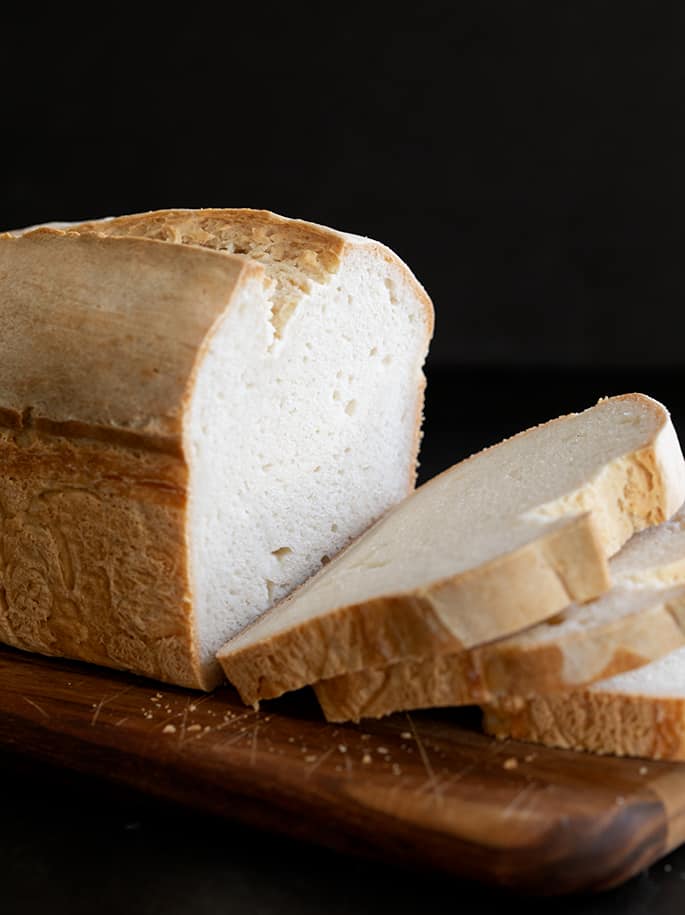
(527, 161)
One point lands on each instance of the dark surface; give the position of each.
(524, 158)
(71, 845)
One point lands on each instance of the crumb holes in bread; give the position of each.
(281, 552)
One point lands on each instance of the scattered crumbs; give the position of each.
(147, 715)
(68, 682)
(291, 740)
(406, 735)
(192, 707)
(194, 727)
(668, 868)
(366, 759)
(383, 751)
(366, 737)
(158, 696)
(335, 732)
(95, 705)
(529, 758)
(268, 718)
(169, 729)
(620, 800)
(396, 769)
(310, 758)
(643, 770)
(342, 748)
(510, 763)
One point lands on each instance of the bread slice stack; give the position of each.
(478, 585)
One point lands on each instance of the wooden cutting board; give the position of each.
(425, 788)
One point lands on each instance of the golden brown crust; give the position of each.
(91, 543)
(127, 319)
(541, 577)
(512, 667)
(316, 250)
(599, 722)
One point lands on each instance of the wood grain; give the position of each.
(427, 789)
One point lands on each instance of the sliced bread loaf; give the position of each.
(183, 414)
(637, 621)
(505, 539)
(638, 713)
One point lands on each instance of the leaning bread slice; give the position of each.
(631, 625)
(187, 399)
(638, 713)
(499, 542)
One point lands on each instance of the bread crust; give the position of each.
(597, 722)
(94, 494)
(510, 667)
(474, 607)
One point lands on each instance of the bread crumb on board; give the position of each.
(169, 729)
(510, 763)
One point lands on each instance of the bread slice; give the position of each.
(638, 713)
(505, 539)
(187, 399)
(637, 621)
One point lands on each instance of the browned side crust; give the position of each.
(510, 667)
(92, 546)
(540, 578)
(598, 722)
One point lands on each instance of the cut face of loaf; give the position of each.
(639, 713)
(187, 400)
(505, 539)
(639, 620)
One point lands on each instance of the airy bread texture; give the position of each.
(187, 399)
(499, 542)
(639, 620)
(639, 713)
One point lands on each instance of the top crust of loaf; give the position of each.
(311, 252)
(127, 319)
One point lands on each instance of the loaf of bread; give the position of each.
(642, 618)
(188, 401)
(499, 542)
